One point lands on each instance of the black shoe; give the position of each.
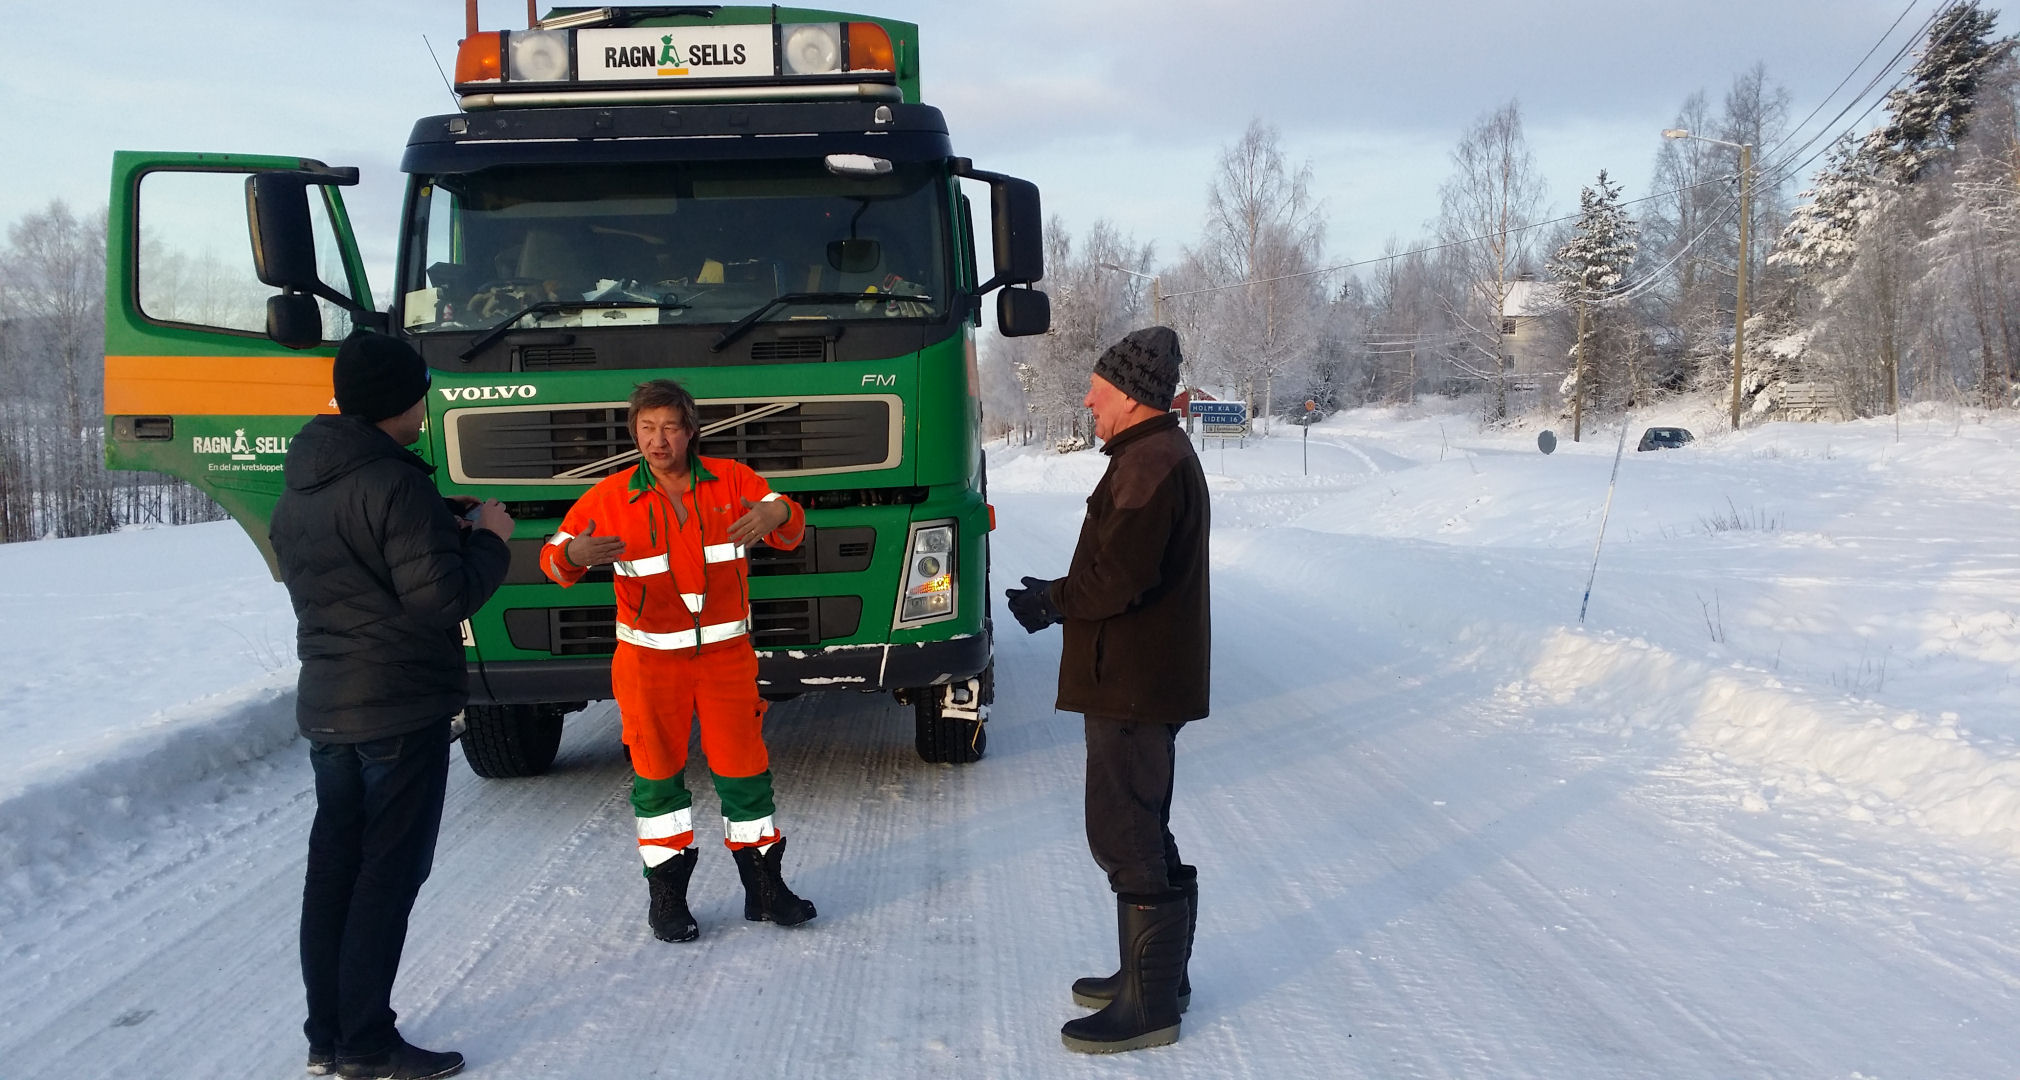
(1151, 933)
(1094, 991)
(322, 1061)
(669, 916)
(403, 1062)
(765, 896)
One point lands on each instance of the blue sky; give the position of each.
(1114, 109)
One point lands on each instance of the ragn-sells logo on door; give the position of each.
(242, 454)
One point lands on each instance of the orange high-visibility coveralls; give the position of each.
(683, 643)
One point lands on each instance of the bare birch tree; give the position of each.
(1257, 255)
(1487, 206)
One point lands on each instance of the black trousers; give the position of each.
(1129, 770)
(378, 810)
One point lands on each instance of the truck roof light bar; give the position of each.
(684, 95)
(591, 54)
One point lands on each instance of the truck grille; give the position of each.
(775, 624)
(534, 444)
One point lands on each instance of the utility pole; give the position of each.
(1739, 296)
(1745, 229)
(1578, 378)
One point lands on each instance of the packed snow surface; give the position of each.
(1758, 814)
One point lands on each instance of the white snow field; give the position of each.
(1758, 816)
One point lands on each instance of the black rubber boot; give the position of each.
(404, 1061)
(765, 896)
(1151, 934)
(670, 918)
(1096, 991)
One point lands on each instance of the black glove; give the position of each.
(1032, 605)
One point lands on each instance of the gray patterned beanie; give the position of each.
(1144, 365)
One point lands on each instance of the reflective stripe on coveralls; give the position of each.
(683, 639)
(663, 836)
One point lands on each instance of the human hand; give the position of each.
(1032, 605)
(592, 550)
(491, 515)
(759, 518)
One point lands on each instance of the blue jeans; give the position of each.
(378, 809)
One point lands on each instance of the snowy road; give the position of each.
(1421, 857)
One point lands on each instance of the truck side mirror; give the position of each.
(283, 240)
(1023, 312)
(294, 320)
(1019, 228)
(1018, 224)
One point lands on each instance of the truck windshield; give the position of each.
(685, 243)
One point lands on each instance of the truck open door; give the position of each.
(196, 384)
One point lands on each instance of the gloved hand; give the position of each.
(1032, 605)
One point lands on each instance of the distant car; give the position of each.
(1663, 438)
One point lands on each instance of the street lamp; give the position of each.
(1156, 291)
(1745, 220)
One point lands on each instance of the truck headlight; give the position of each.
(928, 594)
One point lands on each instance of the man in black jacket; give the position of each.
(382, 574)
(1134, 659)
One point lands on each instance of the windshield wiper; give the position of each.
(736, 329)
(499, 330)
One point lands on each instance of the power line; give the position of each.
(1780, 170)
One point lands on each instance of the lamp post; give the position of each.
(1745, 222)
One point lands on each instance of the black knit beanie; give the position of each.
(1144, 365)
(378, 376)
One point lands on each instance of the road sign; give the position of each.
(1210, 428)
(1219, 412)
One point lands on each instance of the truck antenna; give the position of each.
(438, 70)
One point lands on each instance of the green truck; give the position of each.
(751, 200)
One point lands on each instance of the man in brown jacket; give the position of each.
(1135, 659)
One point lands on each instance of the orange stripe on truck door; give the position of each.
(217, 385)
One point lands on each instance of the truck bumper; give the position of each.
(794, 671)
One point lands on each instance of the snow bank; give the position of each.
(82, 815)
(1873, 763)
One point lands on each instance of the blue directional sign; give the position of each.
(1219, 412)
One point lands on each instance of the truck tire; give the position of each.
(501, 741)
(951, 740)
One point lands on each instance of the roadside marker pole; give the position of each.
(1603, 514)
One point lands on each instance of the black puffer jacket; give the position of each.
(1138, 643)
(381, 577)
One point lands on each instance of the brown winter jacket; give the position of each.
(1137, 642)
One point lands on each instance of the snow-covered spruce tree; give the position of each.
(1973, 248)
(1588, 270)
(1931, 114)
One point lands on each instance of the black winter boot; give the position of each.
(1095, 991)
(669, 916)
(404, 1061)
(765, 896)
(1151, 933)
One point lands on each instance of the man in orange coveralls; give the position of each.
(674, 529)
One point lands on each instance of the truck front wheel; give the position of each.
(501, 741)
(951, 721)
